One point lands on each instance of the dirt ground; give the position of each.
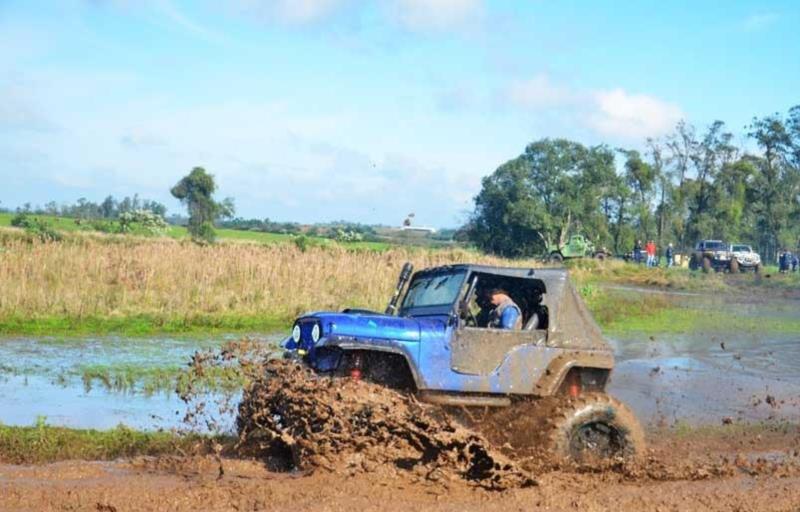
(746, 472)
(357, 446)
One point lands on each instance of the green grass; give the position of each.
(180, 232)
(59, 223)
(42, 443)
(127, 378)
(683, 429)
(619, 313)
(679, 320)
(142, 325)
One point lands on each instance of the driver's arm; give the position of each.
(509, 318)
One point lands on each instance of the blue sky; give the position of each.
(319, 110)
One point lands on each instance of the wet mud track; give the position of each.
(355, 446)
(743, 473)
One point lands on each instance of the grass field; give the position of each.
(179, 232)
(102, 284)
(93, 284)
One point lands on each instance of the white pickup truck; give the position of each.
(747, 258)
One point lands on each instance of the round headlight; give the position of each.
(296, 333)
(315, 333)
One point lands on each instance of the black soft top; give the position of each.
(518, 272)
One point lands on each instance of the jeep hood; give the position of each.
(364, 325)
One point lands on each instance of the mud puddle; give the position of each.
(712, 376)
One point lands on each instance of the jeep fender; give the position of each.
(384, 346)
(560, 366)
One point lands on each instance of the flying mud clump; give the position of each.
(297, 420)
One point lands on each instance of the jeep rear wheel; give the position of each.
(557, 428)
(555, 257)
(594, 425)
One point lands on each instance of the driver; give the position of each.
(499, 310)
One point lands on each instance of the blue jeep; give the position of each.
(435, 344)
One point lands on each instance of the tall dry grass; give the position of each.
(92, 277)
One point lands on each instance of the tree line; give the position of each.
(109, 208)
(686, 186)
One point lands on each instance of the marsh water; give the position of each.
(96, 382)
(698, 377)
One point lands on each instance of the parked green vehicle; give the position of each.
(577, 246)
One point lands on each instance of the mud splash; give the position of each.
(297, 420)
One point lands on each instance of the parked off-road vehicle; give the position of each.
(711, 255)
(577, 246)
(433, 343)
(746, 257)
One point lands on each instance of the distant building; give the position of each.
(418, 229)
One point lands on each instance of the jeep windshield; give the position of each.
(741, 248)
(433, 292)
(715, 246)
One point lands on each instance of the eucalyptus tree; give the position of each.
(196, 191)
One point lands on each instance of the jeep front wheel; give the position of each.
(556, 257)
(707, 265)
(594, 425)
(734, 266)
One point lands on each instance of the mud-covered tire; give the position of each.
(692, 263)
(757, 270)
(542, 429)
(734, 268)
(600, 256)
(555, 257)
(593, 425)
(707, 266)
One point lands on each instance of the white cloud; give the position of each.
(538, 93)
(176, 16)
(617, 113)
(293, 12)
(436, 15)
(760, 21)
(137, 139)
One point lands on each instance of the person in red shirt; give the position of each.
(651, 253)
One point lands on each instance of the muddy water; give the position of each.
(44, 378)
(710, 377)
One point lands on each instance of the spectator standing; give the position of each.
(783, 261)
(650, 248)
(637, 251)
(670, 255)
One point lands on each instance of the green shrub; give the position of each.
(36, 227)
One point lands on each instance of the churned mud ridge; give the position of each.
(295, 419)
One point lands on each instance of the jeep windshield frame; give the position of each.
(741, 248)
(714, 245)
(434, 293)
